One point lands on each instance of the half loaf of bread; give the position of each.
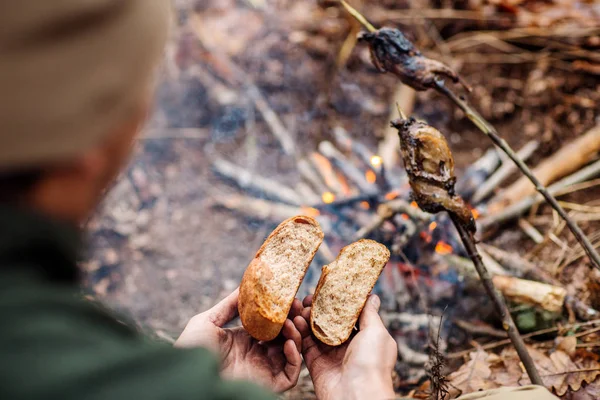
(272, 279)
(343, 290)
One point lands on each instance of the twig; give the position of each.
(491, 132)
(493, 345)
(507, 322)
(358, 16)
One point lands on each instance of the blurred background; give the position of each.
(248, 93)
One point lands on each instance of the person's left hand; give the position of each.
(275, 365)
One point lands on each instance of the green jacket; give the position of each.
(56, 345)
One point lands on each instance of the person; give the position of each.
(76, 81)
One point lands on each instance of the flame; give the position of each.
(392, 195)
(328, 197)
(443, 248)
(370, 176)
(346, 189)
(432, 226)
(325, 168)
(376, 161)
(475, 213)
(365, 205)
(405, 217)
(310, 212)
(414, 204)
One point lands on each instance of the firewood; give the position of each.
(478, 173)
(327, 173)
(347, 168)
(566, 160)
(249, 181)
(507, 169)
(310, 175)
(518, 209)
(548, 297)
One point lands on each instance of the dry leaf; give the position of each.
(563, 374)
(474, 375)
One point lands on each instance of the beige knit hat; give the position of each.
(71, 71)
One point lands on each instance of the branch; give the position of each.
(507, 322)
(491, 132)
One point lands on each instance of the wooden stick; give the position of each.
(325, 169)
(507, 322)
(491, 132)
(249, 181)
(503, 173)
(311, 176)
(477, 173)
(567, 159)
(516, 210)
(347, 168)
(548, 297)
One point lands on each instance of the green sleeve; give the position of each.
(55, 345)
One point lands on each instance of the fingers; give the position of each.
(294, 362)
(302, 326)
(306, 313)
(296, 309)
(225, 311)
(290, 332)
(307, 302)
(369, 318)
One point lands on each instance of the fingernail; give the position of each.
(375, 301)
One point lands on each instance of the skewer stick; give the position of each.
(358, 16)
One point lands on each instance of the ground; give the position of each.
(162, 253)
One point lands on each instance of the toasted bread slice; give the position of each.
(272, 279)
(343, 290)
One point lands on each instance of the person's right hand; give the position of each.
(361, 368)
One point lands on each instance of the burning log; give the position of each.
(391, 51)
(430, 167)
(310, 175)
(327, 173)
(348, 169)
(503, 173)
(252, 182)
(266, 210)
(345, 142)
(567, 159)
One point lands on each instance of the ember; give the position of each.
(443, 248)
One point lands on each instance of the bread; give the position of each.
(273, 277)
(343, 290)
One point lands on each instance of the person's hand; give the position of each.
(275, 365)
(361, 368)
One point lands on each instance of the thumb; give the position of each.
(369, 318)
(224, 311)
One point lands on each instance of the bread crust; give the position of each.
(255, 299)
(316, 330)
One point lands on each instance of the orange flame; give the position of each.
(475, 213)
(370, 176)
(414, 204)
(432, 226)
(365, 205)
(443, 248)
(392, 195)
(405, 217)
(328, 197)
